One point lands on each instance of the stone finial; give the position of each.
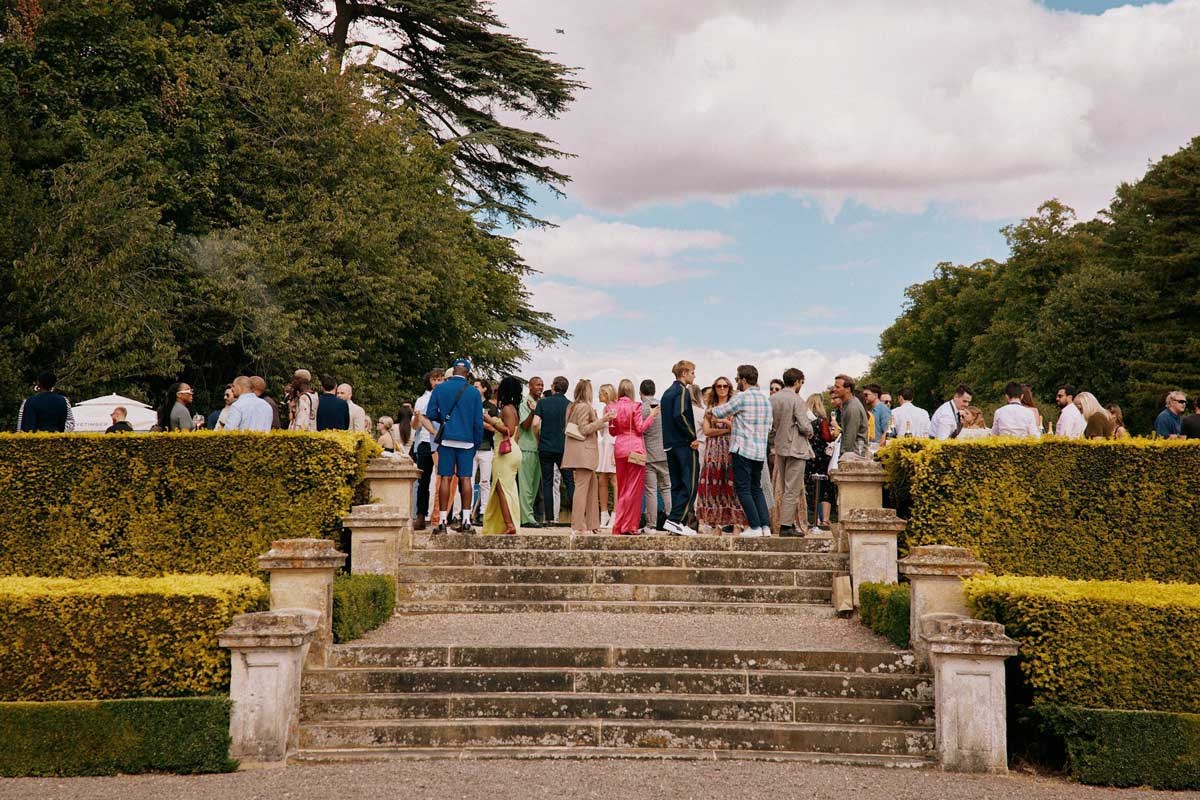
(289, 627)
(873, 519)
(301, 554)
(941, 560)
(399, 466)
(954, 633)
(854, 470)
(378, 534)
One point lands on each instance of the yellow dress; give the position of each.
(504, 479)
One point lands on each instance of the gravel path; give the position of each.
(628, 630)
(521, 780)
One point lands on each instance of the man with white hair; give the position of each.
(358, 417)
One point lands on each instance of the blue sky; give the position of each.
(761, 181)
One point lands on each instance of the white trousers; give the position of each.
(483, 468)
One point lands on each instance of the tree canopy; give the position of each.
(187, 191)
(1110, 305)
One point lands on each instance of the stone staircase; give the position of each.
(383, 701)
(558, 571)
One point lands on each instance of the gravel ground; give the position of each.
(628, 630)
(521, 780)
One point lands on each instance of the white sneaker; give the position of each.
(684, 530)
(748, 533)
(815, 531)
(606, 520)
(673, 528)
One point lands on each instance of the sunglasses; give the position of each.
(723, 386)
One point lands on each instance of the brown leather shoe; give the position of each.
(419, 524)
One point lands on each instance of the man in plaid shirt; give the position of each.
(751, 412)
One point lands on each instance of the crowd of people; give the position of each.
(727, 457)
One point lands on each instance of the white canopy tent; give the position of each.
(93, 416)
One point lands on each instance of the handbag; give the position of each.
(505, 446)
(637, 458)
(437, 439)
(572, 432)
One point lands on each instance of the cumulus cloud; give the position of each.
(654, 361)
(571, 303)
(601, 253)
(990, 106)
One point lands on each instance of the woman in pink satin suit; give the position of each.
(627, 428)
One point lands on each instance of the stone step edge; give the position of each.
(613, 649)
(315, 756)
(421, 607)
(615, 697)
(714, 725)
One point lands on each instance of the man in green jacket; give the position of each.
(530, 476)
(854, 417)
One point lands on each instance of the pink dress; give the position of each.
(627, 429)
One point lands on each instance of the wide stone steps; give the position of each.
(384, 701)
(561, 571)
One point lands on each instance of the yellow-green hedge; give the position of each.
(108, 638)
(1122, 510)
(1100, 644)
(147, 504)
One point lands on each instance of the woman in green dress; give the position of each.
(503, 514)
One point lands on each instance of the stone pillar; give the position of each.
(872, 533)
(860, 485)
(935, 574)
(391, 482)
(377, 535)
(968, 684)
(267, 652)
(302, 577)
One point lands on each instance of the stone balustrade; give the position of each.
(935, 574)
(301, 573)
(390, 481)
(871, 535)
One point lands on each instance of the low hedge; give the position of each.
(106, 737)
(361, 603)
(1103, 510)
(80, 505)
(1098, 644)
(884, 608)
(1126, 748)
(109, 638)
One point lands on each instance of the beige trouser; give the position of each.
(793, 508)
(585, 503)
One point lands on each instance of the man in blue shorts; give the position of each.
(459, 408)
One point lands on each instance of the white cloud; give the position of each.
(654, 361)
(990, 106)
(601, 253)
(571, 303)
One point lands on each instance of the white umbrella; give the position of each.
(94, 416)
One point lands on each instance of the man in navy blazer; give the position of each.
(679, 440)
(333, 413)
(459, 408)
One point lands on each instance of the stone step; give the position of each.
(820, 609)
(611, 592)
(616, 575)
(834, 711)
(356, 755)
(851, 661)
(723, 735)
(543, 680)
(685, 559)
(569, 541)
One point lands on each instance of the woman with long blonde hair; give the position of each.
(1098, 423)
(606, 471)
(581, 454)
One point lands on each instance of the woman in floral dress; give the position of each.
(717, 506)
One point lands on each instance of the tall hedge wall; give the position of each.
(147, 504)
(1122, 510)
(109, 638)
(1100, 644)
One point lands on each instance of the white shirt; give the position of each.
(1070, 423)
(916, 419)
(421, 407)
(249, 413)
(358, 417)
(1015, 419)
(944, 421)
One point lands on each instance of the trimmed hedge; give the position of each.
(361, 603)
(1126, 748)
(80, 505)
(1098, 644)
(884, 608)
(1106, 510)
(106, 737)
(108, 638)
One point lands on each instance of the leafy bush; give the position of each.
(1120, 510)
(1099, 644)
(1126, 748)
(108, 638)
(149, 504)
(884, 608)
(361, 603)
(106, 737)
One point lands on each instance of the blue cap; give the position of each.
(462, 362)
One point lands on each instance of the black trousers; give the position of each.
(425, 464)
(549, 462)
(683, 466)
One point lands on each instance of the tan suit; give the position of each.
(790, 429)
(583, 456)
